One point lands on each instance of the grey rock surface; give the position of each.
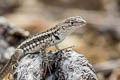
(29, 68)
(66, 65)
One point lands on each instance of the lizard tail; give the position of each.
(5, 69)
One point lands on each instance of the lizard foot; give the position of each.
(46, 65)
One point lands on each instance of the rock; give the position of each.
(66, 65)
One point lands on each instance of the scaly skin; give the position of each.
(41, 41)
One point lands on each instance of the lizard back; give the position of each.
(40, 40)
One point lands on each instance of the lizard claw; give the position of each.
(46, 65)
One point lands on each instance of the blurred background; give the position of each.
(99, 40)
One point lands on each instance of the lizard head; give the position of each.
(72, 23)
(76, 21)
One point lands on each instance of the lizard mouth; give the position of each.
(79, 20)
(82, 22)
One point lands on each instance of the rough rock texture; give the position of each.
(66, 65)
(29, 68)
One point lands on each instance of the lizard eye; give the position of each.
(72, 23)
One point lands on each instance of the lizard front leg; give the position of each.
(45, 63)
